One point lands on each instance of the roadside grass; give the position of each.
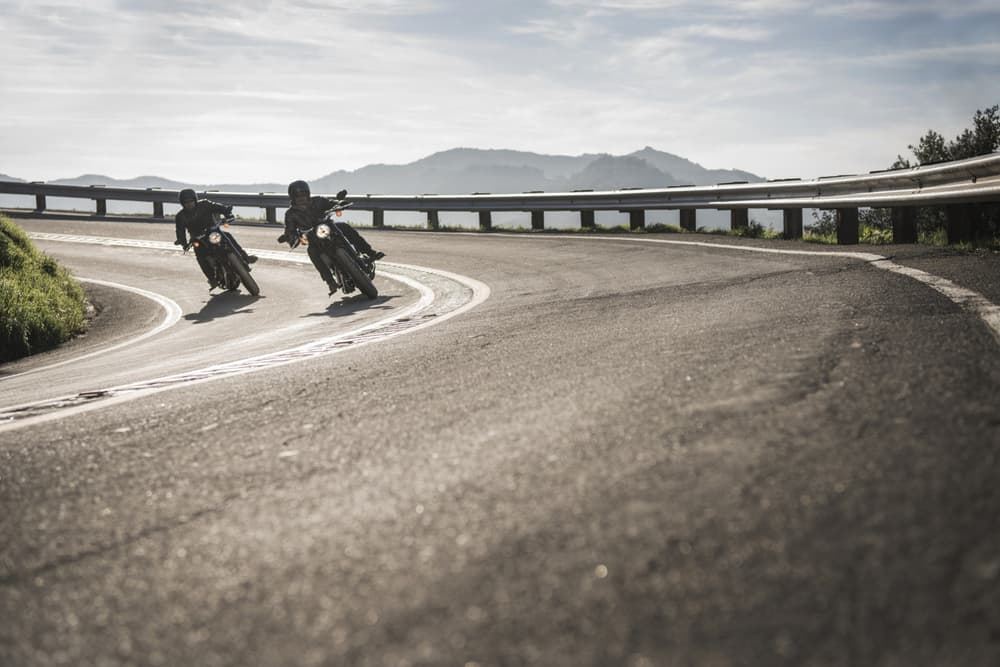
(41, 305)
(821, 239)
(867, 235)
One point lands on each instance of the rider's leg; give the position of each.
(324, 270)
(249, 259)
(206, 265)
(357, 240)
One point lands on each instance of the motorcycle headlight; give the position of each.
(215, 237)
(323, 231)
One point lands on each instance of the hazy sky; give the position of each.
(250, 91)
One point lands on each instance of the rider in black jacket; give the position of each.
(194, 218)
(307, 211)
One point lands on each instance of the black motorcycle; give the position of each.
(230, 268)
(351, 269)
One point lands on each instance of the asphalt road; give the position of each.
(630, 454)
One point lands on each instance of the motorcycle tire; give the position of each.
(360, 278)
(241, 270)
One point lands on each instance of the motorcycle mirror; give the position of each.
(341, 194)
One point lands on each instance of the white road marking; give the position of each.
(409, 320)
(966, 298)
(172, 313)
(971, 301)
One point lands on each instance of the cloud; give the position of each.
(731, 7)
(735, 32)
(269, 90)
(893, 9)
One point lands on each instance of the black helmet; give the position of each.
(187, 195)
(297, 187)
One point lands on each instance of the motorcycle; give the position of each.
(230, 268)
(351, 269)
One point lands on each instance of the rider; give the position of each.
(194, 218)
(307, 211)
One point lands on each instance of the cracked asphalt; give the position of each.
(631, 454)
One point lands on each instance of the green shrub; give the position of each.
(874, 235)
(663, 228)
(40, 303)
(754, 230)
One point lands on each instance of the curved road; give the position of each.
(631, 453)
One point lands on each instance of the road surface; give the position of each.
(622, 453)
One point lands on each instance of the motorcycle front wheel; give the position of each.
(241, 270)
(360, 278)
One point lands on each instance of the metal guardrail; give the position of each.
(962, 182)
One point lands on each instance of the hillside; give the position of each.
(41, 305)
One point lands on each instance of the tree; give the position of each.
(931, 148)
(981, 139)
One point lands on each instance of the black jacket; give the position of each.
(197, 221)
(298, 218)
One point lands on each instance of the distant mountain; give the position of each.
(553, 166)
(10, 179)
(608, 172)
(165, 184)
(467, 170)
(691, 173)
(138, 182)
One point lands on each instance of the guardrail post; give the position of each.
(847, 226)
(537, 220)
(270, 212)
(102, 204)
(739, 218)
(587, 219)
(959, 223)
(980, 223)
(689, 219)
(157, 205)
(904, 224)
(637, 219)
(485, 221)
(792, 221)
(39, 203)
(378, 218)
(433, 222)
